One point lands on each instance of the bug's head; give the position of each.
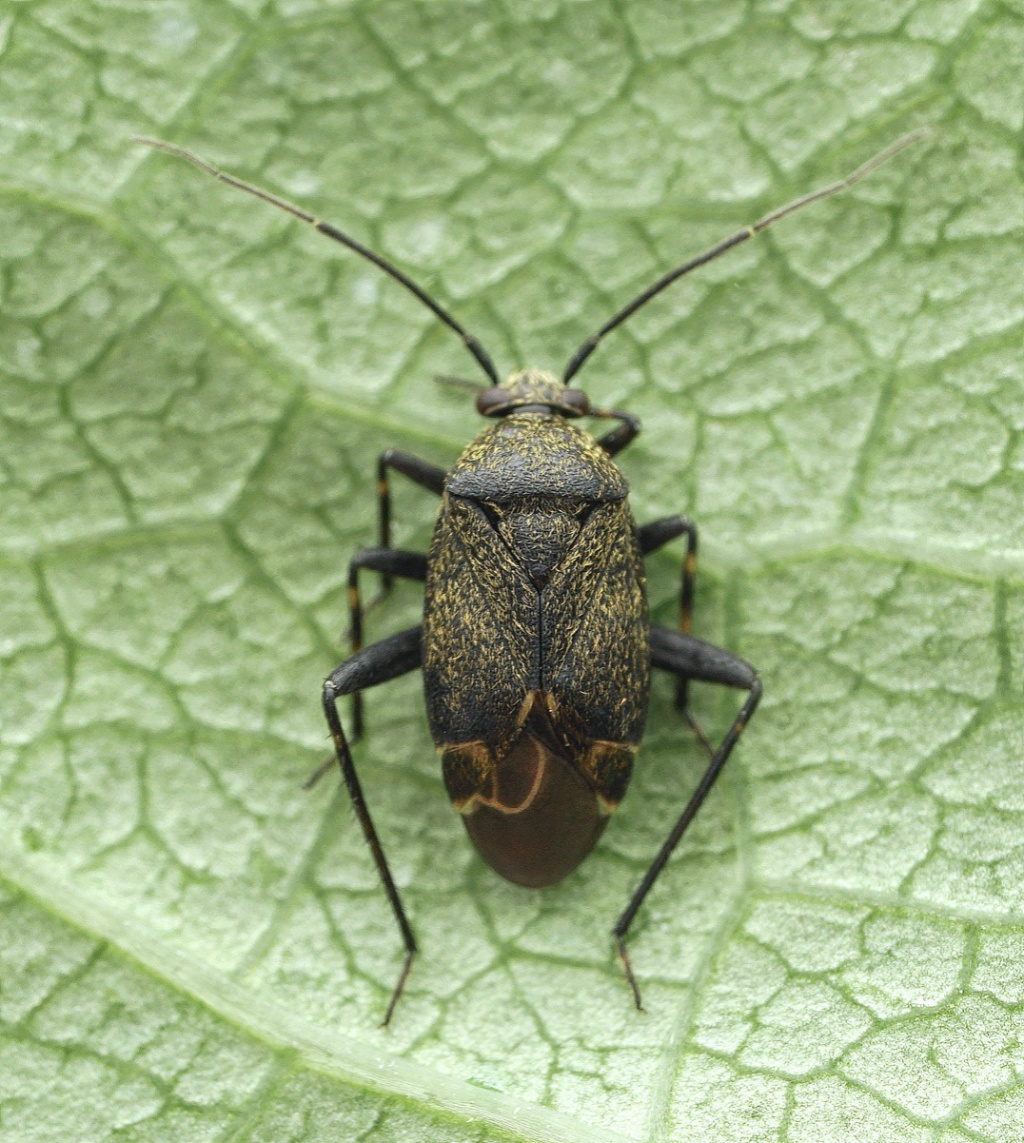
(532, 388)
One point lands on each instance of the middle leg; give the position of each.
(652, 537)
(390, 562)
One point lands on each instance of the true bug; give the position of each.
(535, 643)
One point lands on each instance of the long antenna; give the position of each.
(737, 239)
(471, 343)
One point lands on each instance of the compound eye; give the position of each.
(577, 401)
(489, 401)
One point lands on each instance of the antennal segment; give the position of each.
(471, 343)
(737, 239)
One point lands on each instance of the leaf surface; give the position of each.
(193, 392)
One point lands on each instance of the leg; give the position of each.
(626, 431)
(422, 472)
(690, 658)
(653, 536)
(411, 565)
(380, 663)
(392, 562)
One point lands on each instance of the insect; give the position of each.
(535, 645)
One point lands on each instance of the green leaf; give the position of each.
(193, 391)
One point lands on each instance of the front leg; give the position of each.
(689, 658)
(627, 430)
(419, 471)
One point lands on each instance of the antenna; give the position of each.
(471, 343)
(737, 239)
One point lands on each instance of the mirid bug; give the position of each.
(535, 644)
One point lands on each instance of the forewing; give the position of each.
(481, 651)
(594, 630)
